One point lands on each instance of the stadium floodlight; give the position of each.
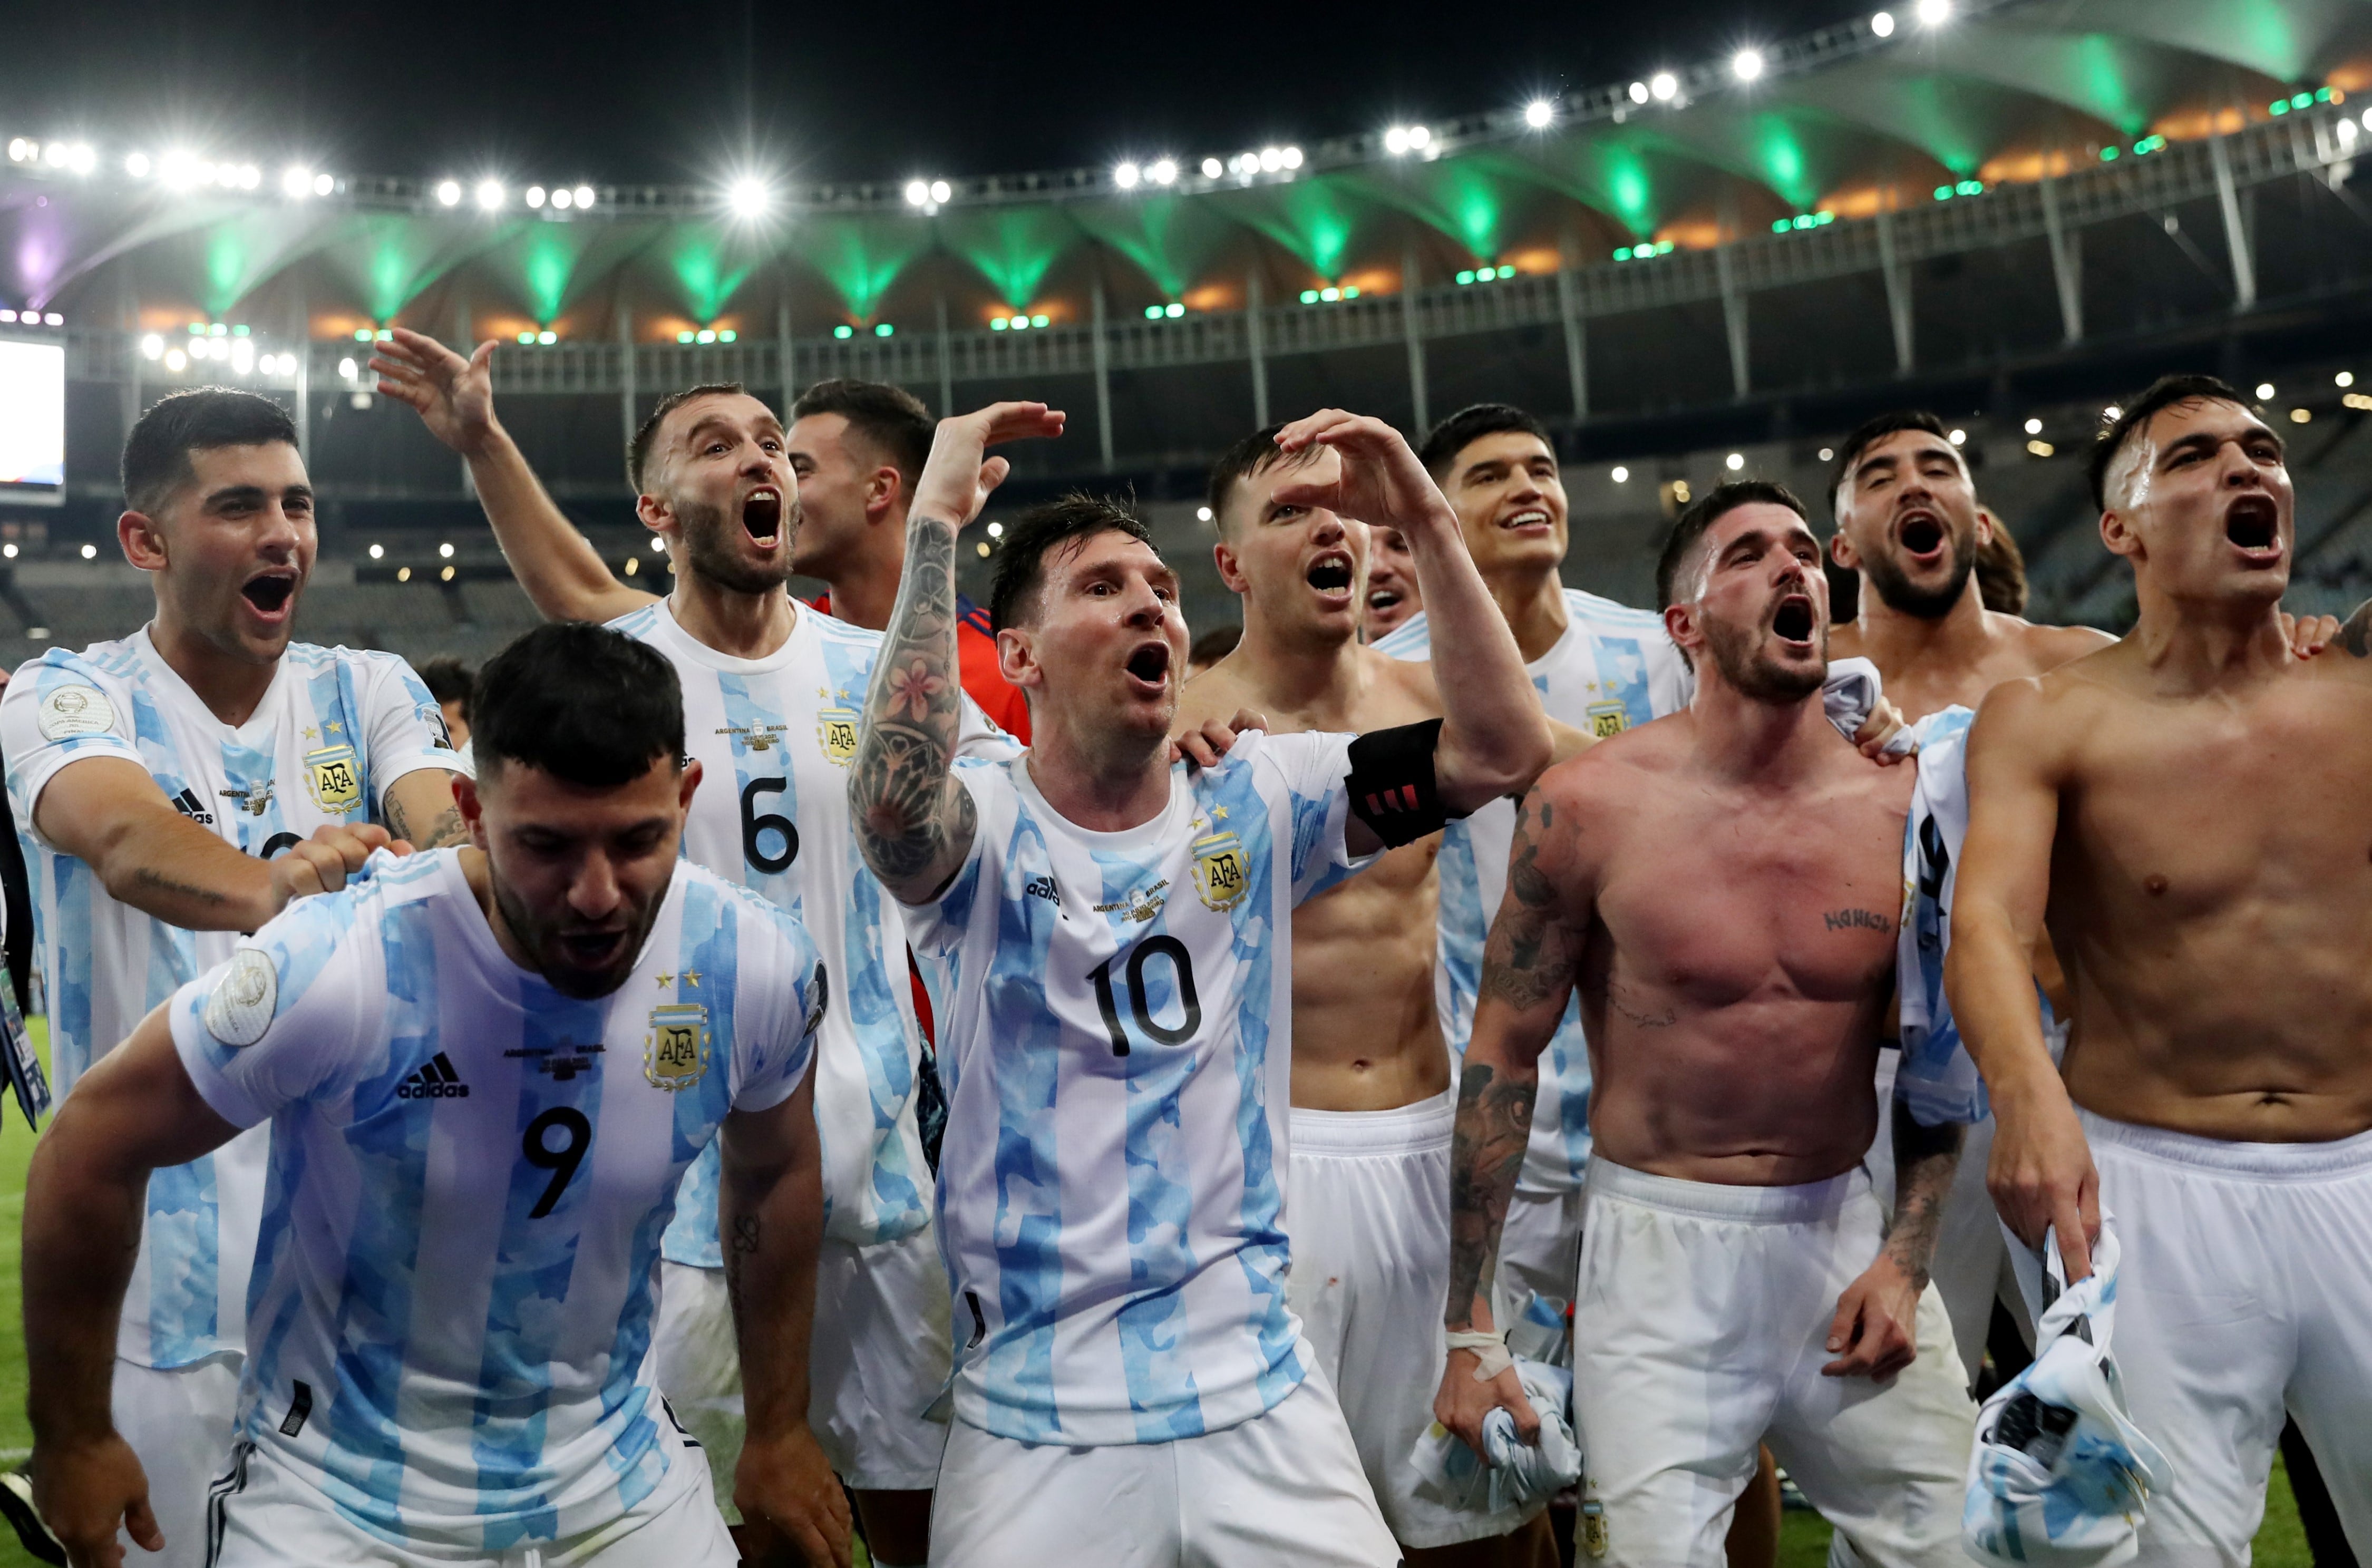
(1882, 24)
(1291, 157)
(1212, 169)
(490, 194)
(535, 197)
(941, 191)
(2345, 378)
(918, 192)
(1664, 87)
(1958, 438)
(584, 194)
(82, 157)
(1538, 113)
(2112, 414)
(448, 193)
(1734, 462)
(377, 551)
(1933, 13)
(445, 551)
(1639, 93)
(152, 347)
(562, 199)
(176, 360)
(91, 552)
(297, 182)
(1620, 474)
(750, 197)
(1126, 175)
(1272, 159)
(1164, 172)
(346, 370)
(1747, 64)
(2034, 427)
(249, 176)
(323, 185)
(1396, 140)
(2265, 390)
(136, 165)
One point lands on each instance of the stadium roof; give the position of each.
(1864, 118)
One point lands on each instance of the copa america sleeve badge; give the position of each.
(72, 710)
(240, 1007)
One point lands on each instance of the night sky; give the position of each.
(850, 91)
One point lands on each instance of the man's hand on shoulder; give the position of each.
(1202, 744)
(786, 1485)
(453, 396)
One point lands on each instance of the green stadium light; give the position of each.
(684, 337)
(1038, 320)
(2108, 155)
(527, 337)
(727, 335)
(1173, 310)
(997, 324)
(2301, 101)
(1466, 277)
(1943, 193)
(1153, 312)
(843, 331)
(2279, 106)
(883, 329)
(1309, 297)
(361, 334)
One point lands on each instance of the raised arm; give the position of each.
(419, 809)
(1494, 738)
(1528, 964)
(2041, 1171)
(557, 565)
(770, 1210)
(915, 822)
(135, 1111)
(108, 813)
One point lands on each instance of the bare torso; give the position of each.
(2211, 895)
(1364, 1033)
(1741, 961)
(1924, 679)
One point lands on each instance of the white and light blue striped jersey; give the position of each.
(1114, 1013)
(773, 737)
(334, 729)
(1614, 667)
(470, 1175)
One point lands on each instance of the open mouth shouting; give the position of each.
(1921, 536)
(1148, 669)
(762, 514)
(272, 593)
(2253, 524)
(1330, 574)
(1793, 621)
(1383, 598)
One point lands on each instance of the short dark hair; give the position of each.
(1214, 644)
(2001, 571)
(1020, 557)
(1701, 514)
(638, 451)
(449, 680)
(157, 453)
(1470, 424)
(579, 702)
(1870, 432)
(2162, 394)
(1240, 461)
(891, 418)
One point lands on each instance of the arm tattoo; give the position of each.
(914, 822)
(1924, 1160)
(1517, 965)
(744, 1246)
(1495, 1123)
(445, 829)
(149, 876)
(2356, 636)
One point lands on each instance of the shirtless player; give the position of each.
(2182, 813)
(1368, 1188)
(1722, 887)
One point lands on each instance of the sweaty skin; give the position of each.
(2180, 810)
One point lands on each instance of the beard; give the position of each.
(541, 939)
(1906, 597)
(709, 554)
(1738, 653)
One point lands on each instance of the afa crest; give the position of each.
(836, 728)
(675, 1054)
(331, 775)
(1607, 719)
(1221, 875)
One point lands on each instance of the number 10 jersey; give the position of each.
(1115, 1033)
(774, 737)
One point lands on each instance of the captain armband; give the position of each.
(1392, 786)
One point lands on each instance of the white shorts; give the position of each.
(1539, 1251)
(2245, 1287)
(181, 1422)
(1368, 1213)
(1282, 1490)
(878, 1359)
(1700, 1331)
(266, 1515)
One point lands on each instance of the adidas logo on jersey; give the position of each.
(190, 806)
(435, 1081)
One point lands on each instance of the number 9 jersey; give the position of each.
(470, 1175)
(1115, 1033)
(775, 736)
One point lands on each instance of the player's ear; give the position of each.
(1842, 551)
(2118, 532)
(143, 540)
(471, 805)
(1231, 570)
(653, 513)
(882, 488)
(691, 781)
(1016, 660)
(1681, 625)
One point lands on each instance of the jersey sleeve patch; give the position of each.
(241, 1004)
(73, 709)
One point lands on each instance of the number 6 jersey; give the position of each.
(773, 737)
(1115, 1032)
(470, 1175)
